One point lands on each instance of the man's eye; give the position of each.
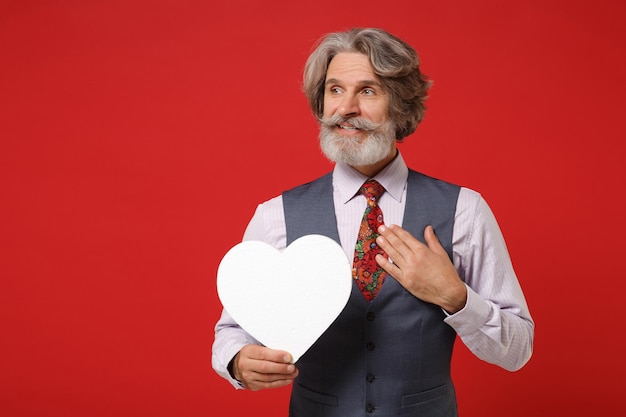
(368, 91)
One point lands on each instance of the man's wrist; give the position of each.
(459, 302)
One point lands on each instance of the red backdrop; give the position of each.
(129, 132)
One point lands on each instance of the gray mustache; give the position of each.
(358, 122)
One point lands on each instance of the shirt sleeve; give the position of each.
(267, 225)
(229, 339)
(495, 323)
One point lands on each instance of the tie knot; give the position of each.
(372, 190)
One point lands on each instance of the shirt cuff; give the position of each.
(472, 317)
(222, 368)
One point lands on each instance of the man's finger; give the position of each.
(266, 354)
(433, 241)
(388, 242)
(390, 267)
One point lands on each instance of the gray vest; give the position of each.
(390, 357)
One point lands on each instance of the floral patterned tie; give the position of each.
(368, 275)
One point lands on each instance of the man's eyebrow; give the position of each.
(360, 83)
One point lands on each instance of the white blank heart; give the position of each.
(285, 300)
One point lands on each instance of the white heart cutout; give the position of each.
(287, 299)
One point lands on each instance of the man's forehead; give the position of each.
(352, 66)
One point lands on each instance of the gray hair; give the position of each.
(394, 62)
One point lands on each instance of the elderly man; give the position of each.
(429, 260)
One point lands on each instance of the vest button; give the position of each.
(370, 346)
(370, 408)
(371, 377)
(371, 316)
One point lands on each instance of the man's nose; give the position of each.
(349, 106)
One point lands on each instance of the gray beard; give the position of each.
(356, 151)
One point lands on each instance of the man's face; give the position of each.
(355, 129)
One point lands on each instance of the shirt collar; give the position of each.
(347, 180)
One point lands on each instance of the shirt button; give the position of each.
(369, 408)
(370, 346)
(371, 377)
(371, 316)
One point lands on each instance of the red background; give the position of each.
(118, 118)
